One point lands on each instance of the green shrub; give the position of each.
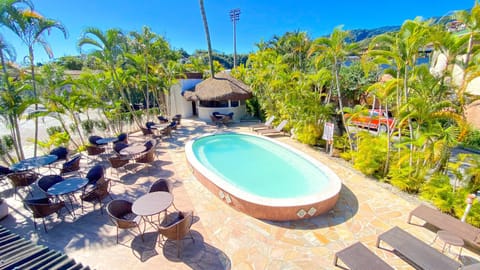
(370, 156)
(53, 130)
(87, 126)
(308, 133)
(472, 139)
(406, 178)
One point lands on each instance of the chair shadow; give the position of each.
(345, 209)
(145, 249)
(197, 254)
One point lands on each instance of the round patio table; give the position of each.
(133, 150)
(152, 204)
(67, 187)
(450, 239)
(33, 162)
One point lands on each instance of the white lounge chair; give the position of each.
(278, 130)
(266, 125)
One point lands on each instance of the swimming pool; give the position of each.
(262, 177)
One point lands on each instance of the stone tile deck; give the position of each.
(225, 238)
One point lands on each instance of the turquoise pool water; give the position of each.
(259, 166)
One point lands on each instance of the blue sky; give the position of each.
(180, 21)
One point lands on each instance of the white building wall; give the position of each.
(177, 103)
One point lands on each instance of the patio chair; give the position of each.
(95, 174)
(146, 131)
(4, 171)
(177, 118)
(167, 131)
(266, 125)
(278, 130)
(148, 156)
(359, 257)
(96, 195)
(71, 166)
(162, 119)
(93, 150)
(162, 185)
(227, 118)
(47, 181)
(120, 213)
(118, 162)
(23, 179)
(42, 208)
(177, 228)
(61, 153)
(118, 146)
(93, 140)
(216, 119)
(123, 138)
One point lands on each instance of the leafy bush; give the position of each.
(87, 126)
(53, 130)
(472, 139)
(370, 156)
(308, 133)
(406, 178)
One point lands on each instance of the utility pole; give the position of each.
(235, 16)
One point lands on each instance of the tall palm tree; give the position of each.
(109, 47)
(207, 35)
(30, 27)
(334, 49)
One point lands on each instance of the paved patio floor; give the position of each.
(225, 238)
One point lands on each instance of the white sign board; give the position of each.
(328, 131)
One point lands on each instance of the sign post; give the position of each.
(328, 136)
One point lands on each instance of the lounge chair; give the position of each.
(266, 125)
(359, 257)
(416, 251)
(467, 232)
(278, 130)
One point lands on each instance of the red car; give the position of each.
(376, 119)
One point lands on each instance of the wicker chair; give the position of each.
(42, 208)
(118, 162)
(177, 118)
(95, 174)
(162, 185)
(45, 182)
(96, 195)
(178, 228)
(23, 179)
(147, 157)
(61, 153)
(93, 140)
(122, 137)
(146, 131)
(73, 165)
(4, 171)
(120, 213)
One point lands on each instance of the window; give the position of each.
(234, 103)
(214, 104)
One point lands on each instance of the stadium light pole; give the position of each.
(235, 16)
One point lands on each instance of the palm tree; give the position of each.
(30, 27)
(110, 48)
(207, 35)
(334, 49)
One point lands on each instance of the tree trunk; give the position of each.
(34, 86)
(207, 34)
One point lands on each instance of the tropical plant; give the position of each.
(30, 27)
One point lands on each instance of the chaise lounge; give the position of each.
(278, 130)
(415, 251)
(446, 222)
(359, 257)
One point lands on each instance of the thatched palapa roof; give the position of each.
(222, 87)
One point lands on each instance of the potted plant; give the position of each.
(3, 208)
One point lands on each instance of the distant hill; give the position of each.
(361, 34)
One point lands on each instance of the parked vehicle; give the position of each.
(376, 119)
